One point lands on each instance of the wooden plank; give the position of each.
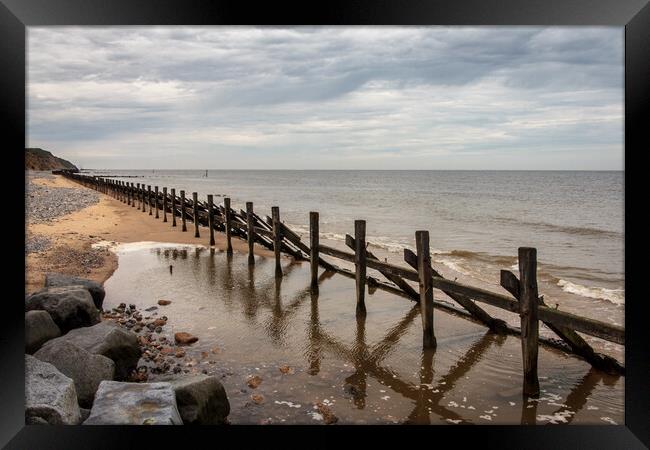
(228, 224)
(211, 218)
(250, 221)
(164, 205)
(173, 200)
(360, 264)
(426, 288)
(575, 342)
(313, 244)
(183, 220)
(612, 333)
(277, 239)
(195, 213)
(528, 301)
(156, 194)
(350, 242)
(292, 237)
(149, 200)
(496, 325)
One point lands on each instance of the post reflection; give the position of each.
(259, 296)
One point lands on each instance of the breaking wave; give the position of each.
(615, 296)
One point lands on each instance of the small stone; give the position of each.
(151, 308)
(184, 338)
(326, 412)
(163, 302)
(159, 322)
(179, 353)
(254, 381)
(257, 398)
(286, 370)
(158, 329)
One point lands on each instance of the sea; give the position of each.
(477, 220)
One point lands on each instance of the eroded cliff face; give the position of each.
(39, 159)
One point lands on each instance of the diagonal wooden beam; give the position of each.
(578, 345)
(496, 325)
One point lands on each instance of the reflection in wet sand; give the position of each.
(274, 309)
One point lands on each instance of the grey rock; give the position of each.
(118, 403)
(49, 395)
(70, 307)
(201, 399)
(35, 420)
(85, 413)
(96, 290)
(39, 328)
(110, 340)
(86, 369)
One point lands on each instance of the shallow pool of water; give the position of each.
(365, 371)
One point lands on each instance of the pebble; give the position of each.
(45, 203)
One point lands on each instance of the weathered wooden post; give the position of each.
(195, 211)
(228, 218)
(156, 195)
(143, 193)
(360, 264)
(211, 218)
(164, 205)
(149, 200)
(173, 198)
(426, 288)
(128, 194)
(250, 235)
(528, 304)
(137, 195)
(183, 223)
(132, 195)
(277, 239)
(313, 244)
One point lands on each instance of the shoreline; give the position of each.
(107, 220)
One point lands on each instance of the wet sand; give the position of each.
(108, 220)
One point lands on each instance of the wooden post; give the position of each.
(143, 193)
(426, 288)
(211, 218)
(227, 215)
(313, 244)
(156, 194)
(360, 263)
(195, 211)
(137, 194)
(184, 226)
(250, 222)
(173, 196)
(164, 205)
(149, 200)
(128, 194)
(528, 304)
(132, 195)
(277, 238)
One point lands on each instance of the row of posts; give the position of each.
(132, 194)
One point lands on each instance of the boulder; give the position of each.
(201, 399)
(110, 340)
(118, 403)
(95, 289)
(49, 395)
(86, 369)
(70, 307)
(39, 328)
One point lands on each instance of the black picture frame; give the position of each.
(634, 15)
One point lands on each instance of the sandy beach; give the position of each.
(71, 237)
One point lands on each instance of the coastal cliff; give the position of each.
(39, 159)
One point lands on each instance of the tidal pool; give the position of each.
(309, 347)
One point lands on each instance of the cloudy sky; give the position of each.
(328, 97)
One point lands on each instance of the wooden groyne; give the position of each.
(271, 233)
